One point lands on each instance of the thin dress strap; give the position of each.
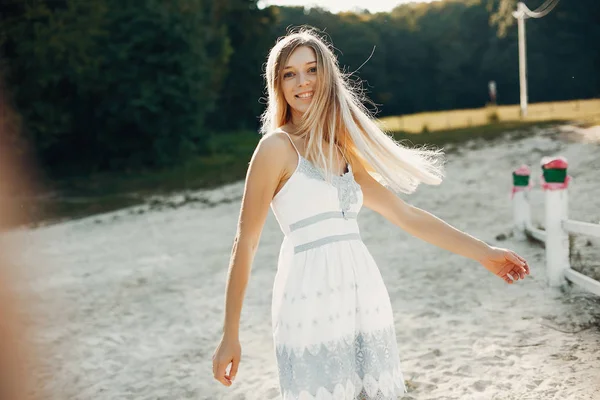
(289, 137)
(300, 156)
(342, 153)
(344, 157)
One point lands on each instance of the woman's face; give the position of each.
(299, 79)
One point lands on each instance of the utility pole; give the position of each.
(520, 15)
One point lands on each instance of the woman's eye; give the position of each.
(313, 70)
(287, 74)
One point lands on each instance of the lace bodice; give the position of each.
(345, 184)
(307, 193)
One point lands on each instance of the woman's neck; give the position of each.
(291, 128)
(296, 118)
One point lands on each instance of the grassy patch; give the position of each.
(580, 110)
(228, 159)
(76, 197)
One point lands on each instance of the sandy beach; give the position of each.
(129, 304)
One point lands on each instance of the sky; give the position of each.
(341, 5)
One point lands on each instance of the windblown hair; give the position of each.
(337, 116)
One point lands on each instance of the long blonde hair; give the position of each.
(337, 116)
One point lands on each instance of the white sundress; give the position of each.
(332, 319)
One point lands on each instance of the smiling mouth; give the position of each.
(307, 95)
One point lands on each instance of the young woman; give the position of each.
(321, 158)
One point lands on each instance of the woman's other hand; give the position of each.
(229, 351)
(505, 263)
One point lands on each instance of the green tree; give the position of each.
(239, 99)
(110, 85)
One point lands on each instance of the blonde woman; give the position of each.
(322, 158)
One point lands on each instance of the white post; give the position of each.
(522, 214)
(557, 239)
(555, 183)
(520, 200)
(520, 15)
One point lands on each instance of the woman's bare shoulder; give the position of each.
(275, 150)
(275, 143)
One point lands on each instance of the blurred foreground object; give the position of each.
(15, 347)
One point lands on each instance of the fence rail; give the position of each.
(555, 183)
(582, 228)
(583, 281)
(537, 234)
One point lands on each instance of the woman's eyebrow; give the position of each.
(310, 62)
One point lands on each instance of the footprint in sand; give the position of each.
(481, 386)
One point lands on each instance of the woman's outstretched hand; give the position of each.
(228, 352)
(505, 263)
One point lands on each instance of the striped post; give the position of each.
(555, 182)
(520, 200)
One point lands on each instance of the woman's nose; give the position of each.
(303, 79)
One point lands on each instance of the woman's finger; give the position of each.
(512, 257)
(220, 374)
(515, 271)
(234, 369)
(522, 272)
(525, 265)
(527, 268)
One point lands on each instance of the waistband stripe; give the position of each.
(326, 240)
(321, 217)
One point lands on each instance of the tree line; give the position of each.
(122, 84)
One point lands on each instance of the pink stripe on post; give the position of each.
(554, 163)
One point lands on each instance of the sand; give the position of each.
(129, 304)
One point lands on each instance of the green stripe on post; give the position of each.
(520, 180)
(555, 175)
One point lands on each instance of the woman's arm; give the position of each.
(432, 229)
(265, 171)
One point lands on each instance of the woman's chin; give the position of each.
(302, 108)
(299, 111)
